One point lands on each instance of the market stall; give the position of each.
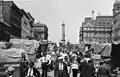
(11, 57)
(30, 47)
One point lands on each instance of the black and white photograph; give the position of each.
(59, 38)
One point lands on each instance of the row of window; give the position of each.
(105, 23)
(97, 40)
(41, 29)
(97, 29)
(16, 21)
(97, 26)
(96, 35)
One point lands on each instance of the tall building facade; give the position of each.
(27, 25)
(116, 21)
(41, 31)
(4, 27)
(96, 31)
(10, 20)
(87, 30)
(31, 22)
(14, 19)
(41, 34)
(14, 22)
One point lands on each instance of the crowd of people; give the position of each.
(65, 63)
(69, 64)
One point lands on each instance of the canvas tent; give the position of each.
(102, 49)
(11, 55)
(29, 46)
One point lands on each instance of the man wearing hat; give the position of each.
(83, 68)
(60, 68)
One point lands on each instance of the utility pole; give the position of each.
(63, 33)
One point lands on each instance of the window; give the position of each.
(108, 23)
(92, 34)
(92, 29)
(103, 23)
(42, 29)
(88, 29)
(85, 29)
(25, 22)
(85, 34)
(118, 7)
(114, 20)
(99, 23)
(106, 29)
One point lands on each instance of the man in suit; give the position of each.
(60, 68)
(83, 68)
(90, 69)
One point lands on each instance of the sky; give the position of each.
(72, 12)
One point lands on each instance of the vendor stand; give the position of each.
(11, 58)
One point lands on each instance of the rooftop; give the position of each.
(38, 24)
(104, 16)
